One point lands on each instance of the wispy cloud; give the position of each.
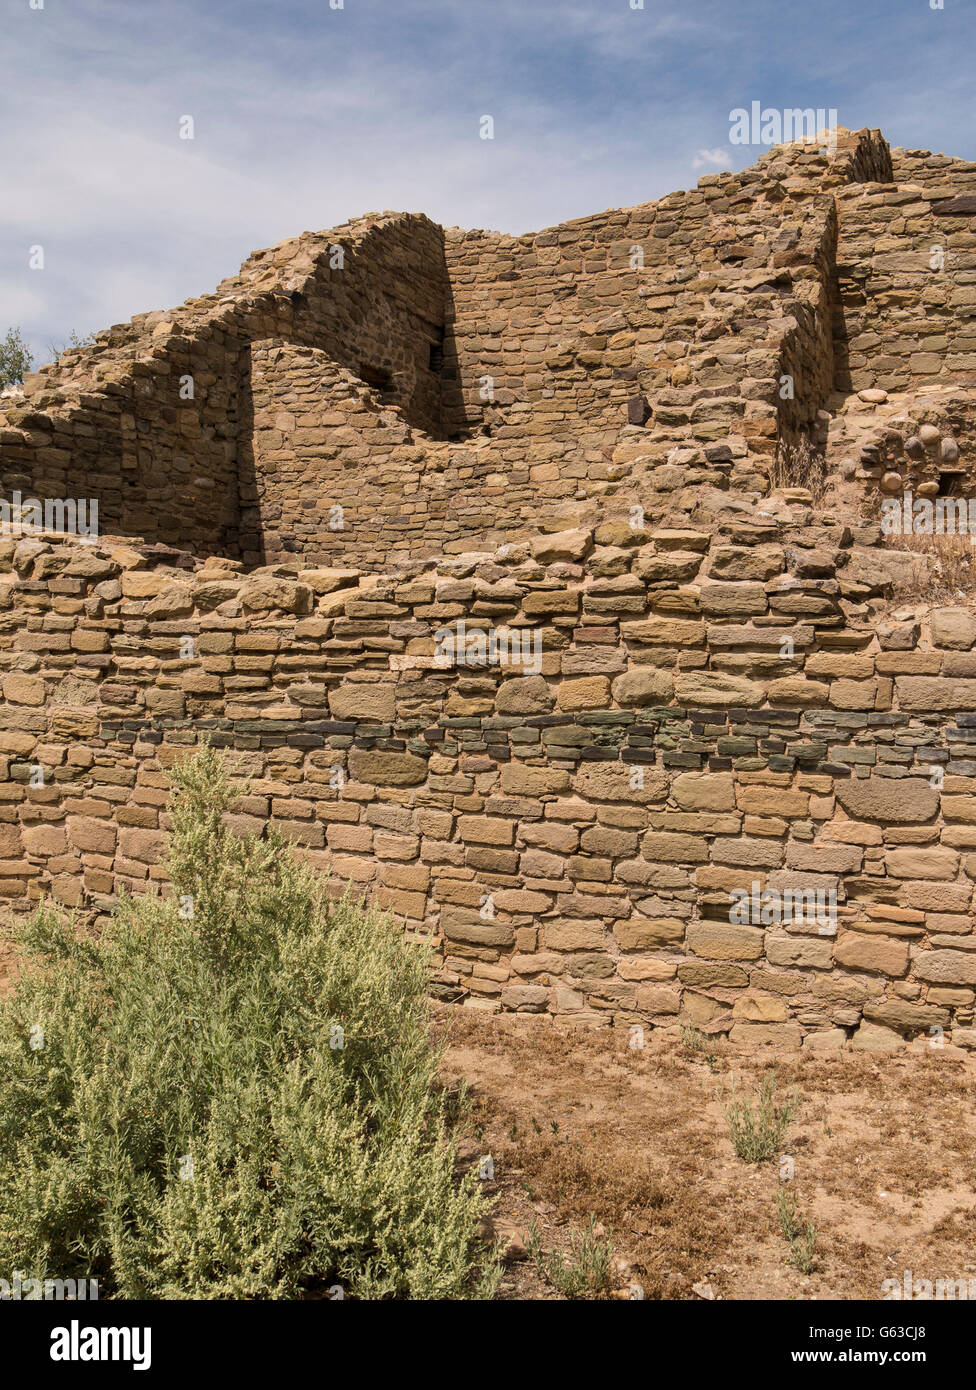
(718, 158)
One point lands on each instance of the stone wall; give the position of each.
(906, 309)
(339, 471)
(155, 420)
(704, 712)
(683, 692)
(494, 381)
(585, 362)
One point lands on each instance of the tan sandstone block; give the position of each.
(880, 955)
(363, 700)
(649, 933)
(757, 1008)
(896, 801)
(588, 692)
(784, 1035)
(21, 689)
(704, 791)
(724, 941)
(95, 836)
(656, 999)
(486, 830)
(386, 769)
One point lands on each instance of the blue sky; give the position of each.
(306, 115)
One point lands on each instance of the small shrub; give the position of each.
(945, 569)
(786, 1212)
(586, 1272)
(800, 1235)
(234, 1093)
(757, 1134)
(57, 350)
(693, 1040)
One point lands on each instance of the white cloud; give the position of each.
(717, 157)
(306, 117)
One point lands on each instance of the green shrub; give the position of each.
(232, 1093)
(15, 358)
(586, 1273)
(757, 1134)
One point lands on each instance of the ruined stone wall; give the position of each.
(339, 473)
(940, 174)
(502, 380)
(697, 304)
(580, 365)
(158, 464)
(708, 712)
(155, 420)
(906, 312)
(375, 302)
(557, 440)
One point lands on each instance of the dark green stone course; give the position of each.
(826, 742)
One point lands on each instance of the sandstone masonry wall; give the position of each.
(568, 370)
(691, 310)
(114, 421)
(906, 311)
(568, 836)
(717, 695)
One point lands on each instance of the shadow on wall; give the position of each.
(373, 335)
(386, 314)
(848, 299)
(250, 538)
(161, 469)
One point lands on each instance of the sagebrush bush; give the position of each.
(232, 1093)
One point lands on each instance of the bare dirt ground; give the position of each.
(578, 1125)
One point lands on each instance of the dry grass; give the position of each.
(799, 465)
(945, 568)
(580, 1127)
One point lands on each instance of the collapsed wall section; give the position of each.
(155, 419)
(605, 826)
(565, 368)
(153, 445)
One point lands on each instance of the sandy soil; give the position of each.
(577, 1124)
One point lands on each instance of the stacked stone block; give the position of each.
(569, 370)
(708, 713)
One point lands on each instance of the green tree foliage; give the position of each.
(15, 358)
